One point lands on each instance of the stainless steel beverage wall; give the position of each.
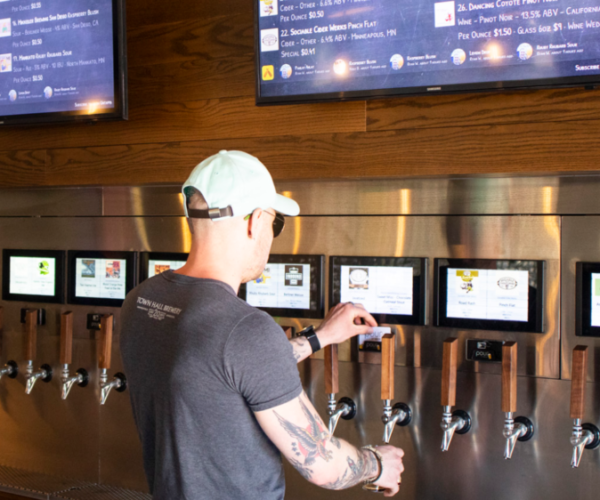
(555, 219)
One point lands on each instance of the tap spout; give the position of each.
(345, 408)
(513, 430)
(400, 414)
(31, 377)
(586, 436)
(80, 378)
(119, 383)
(458, 421)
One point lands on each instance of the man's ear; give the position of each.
(253, 223)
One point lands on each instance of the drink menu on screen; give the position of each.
(488, 294)
(380, 289)
(100, 278)
(281, 286)
(32, 276)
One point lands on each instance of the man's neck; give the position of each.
(203, 263)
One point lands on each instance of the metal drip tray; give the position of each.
(45, 487)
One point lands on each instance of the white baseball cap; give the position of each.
(235, 183)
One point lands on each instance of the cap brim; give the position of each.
(286, 206)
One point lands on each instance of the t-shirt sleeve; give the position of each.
(260, 364)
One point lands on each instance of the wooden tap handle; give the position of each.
(509, 377)
(449, 365)
(106, 336)
(31, 323)
(388, 354)
(66, 338)
(331, 369)
(578, 380)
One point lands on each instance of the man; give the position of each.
(214, 385)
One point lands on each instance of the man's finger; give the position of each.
(361, 312)
(400, 452)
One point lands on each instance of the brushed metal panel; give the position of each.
(143, 201)
(474, 467)
(41, 432)
(580, 242)
(492, 237)
(55, 202)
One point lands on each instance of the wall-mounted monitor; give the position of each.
(291, 286)
(100, 278)
(354, 49)
(153, 263)
(62, 60)
(33, 275)
(392, 289)
(488, 294)
(587, 314)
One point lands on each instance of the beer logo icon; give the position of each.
(525, 51)
(286, 71)
(269, 40)
(340, 67)
(396, 62)
(507, 283)
(458, 56)
(268, 72)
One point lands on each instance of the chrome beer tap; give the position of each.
(586, 436)
(11, 369)
(45, 371)
(400, 413)
(345, 408)
(515, 429)
(458, 422)
(66, 354)
(119, 382)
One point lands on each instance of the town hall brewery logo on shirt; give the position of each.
(156, 310)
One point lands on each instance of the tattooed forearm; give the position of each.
(301, 348)
(309, 443)
(304, 471)
(364, 467)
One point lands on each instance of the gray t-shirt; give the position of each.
(199, 362)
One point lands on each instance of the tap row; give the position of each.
(516, 429)
(31, 319)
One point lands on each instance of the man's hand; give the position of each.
(392, 469)
(344, 321)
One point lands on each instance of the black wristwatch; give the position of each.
(312, 338)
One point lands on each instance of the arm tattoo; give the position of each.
(299, 348)
(304, 471)
(356, 472)
(310, 443)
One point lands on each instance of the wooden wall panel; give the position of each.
(535, 148)
(196, 120)
(191, 87)
(479, 109)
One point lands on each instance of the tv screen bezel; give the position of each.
(130, 276)
(59, 283)
(535, 323)
(417, 317)
(317, 278)
(121, 108)
(584, 81)
(583, 298)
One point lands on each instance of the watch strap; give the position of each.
(312, 338)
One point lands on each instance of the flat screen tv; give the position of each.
(314, 50)
(62, 60)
